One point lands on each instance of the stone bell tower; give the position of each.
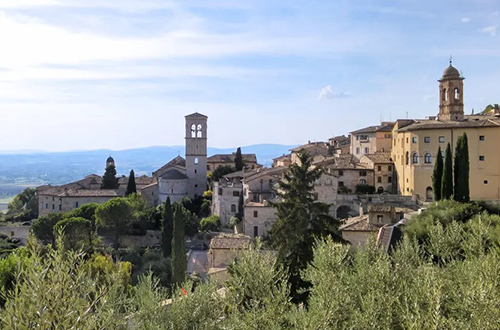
(451, 97)
(196, 153)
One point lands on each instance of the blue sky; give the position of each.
(88, 74)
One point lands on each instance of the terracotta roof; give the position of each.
(283, 157)
(380, 158)
(359, 224)
(229, 158)
(311, 145)
(195, 115)
(173, 174)
(177, 161)
(380, 208)
(241, 174)
(387, 127)
(65, 192)
(231, 241)
(472, 121)
(276, 172)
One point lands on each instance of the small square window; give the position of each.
(255, 214)
(236, 193)
(362, 173)
(389, 168)
(441, 139)
(367, 150)
(379, 168)
(481, 137)
(341, 172)
(389, 179)
(406, 140)
(481, 158)
(380, 218)
(485, 181)
(341, 183)
(427, 139)
(414, 139)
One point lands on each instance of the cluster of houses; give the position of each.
(371, 178)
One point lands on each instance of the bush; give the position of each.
(365, 189)
(211, 223)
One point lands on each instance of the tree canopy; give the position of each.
(109, 180)
(238, 160)
(447, 180)
(461, 170)
(131, 187)
(115, 215)
(437, 175)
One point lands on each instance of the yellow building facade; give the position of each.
(415, 145)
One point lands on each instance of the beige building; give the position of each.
(372, 139)
(312, 148)
(218, 160)
(340, 145)
(350, 172)
(416, 142)
(282, 161)
(224, 248)
(383, 171)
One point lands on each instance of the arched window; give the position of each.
(196, 160)
(414, 158)
(193, 131)
(445, 94)
(198, 131)
(457, 94)
(407, 158)
(233, 207)
(427, 158)
(362, 182)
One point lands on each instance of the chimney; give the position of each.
(360, 209)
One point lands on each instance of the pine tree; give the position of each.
(447, 180)
(461, 170)
(437, 176)
(179, 262)
(300, 220)
(109, 180)
(167, 229)
(131, 187)
(238, 160)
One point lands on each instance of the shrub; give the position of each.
(211, 223)
(365, 189)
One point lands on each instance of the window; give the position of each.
(196, 160)
(236, 193)
(414, 158)
(208, 167)
(389, 179)
(367, 150)
(172, 191)
(357, 151)
(60, 207)
(389, 168)
(362, 173)
(315, 196)
(387, 136)
(341, 183)
(441, 139)
(427, 139)
(406, 140)
(255, 231)
(380, 218)
(379, 179)
(195, 171)
(255, 214)
(485, 181)
(361, 137)
(379, 168)
(76, 204)
(457, 94)
(53, 207)
(445, 94)
(414, 139)
(407, 158)
(233, 208)
(481, 158)
(46, 205)
(427, 158)
(362, 182)
(341, 172)
(481, 137)
(196, 186)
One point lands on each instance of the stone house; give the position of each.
(282, 161)
(217, 160)
(383, 171)
(340, 145)
(349, 172)
(258, 218)
(372, 139)
(313, 148)
(224, 248)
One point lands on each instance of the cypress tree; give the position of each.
(447, 180)
(167, 229)
(178, 262)
(437, 176)
(131, 187)
(461, 170)
(109, 180)
(238, 160)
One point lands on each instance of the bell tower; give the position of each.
(196, 153)
(451, 97)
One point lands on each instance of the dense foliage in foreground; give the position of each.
(444, 275)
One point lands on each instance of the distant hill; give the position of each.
(62, 167)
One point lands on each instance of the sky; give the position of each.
(122, 74)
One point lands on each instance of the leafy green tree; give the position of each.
(461, 170)
(447, 180)
(238, 160)
(23, 207)
(167, 229)
(179, 262)
(115, 216)
(211, 223)
(131, 187)
(300, 220)
(437, 176)
(43, 227)
(77, 233)
(109, 180)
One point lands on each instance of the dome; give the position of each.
(451, 72)
(110, 160)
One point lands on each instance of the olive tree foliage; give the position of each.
(115, 215)
(77, 233)
(23, 207)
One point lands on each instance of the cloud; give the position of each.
(327, 92)
(465, 20)
(492, 30)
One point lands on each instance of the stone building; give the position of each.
(350, 172)
(383, 171)
(416, 142)
(217, 160)
(282, 161)
(312, 148)
(372, 139)
(340, 145)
